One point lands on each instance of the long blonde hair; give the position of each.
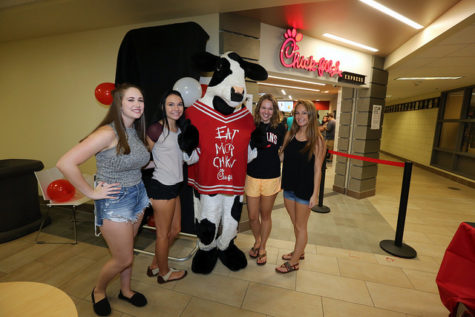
(313, 133)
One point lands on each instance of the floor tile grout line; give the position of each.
(186, 306)
(245, 294)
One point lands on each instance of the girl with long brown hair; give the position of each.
(119, 197)
(303, 155)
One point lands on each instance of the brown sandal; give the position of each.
(254, 252)
(288, 267)
(152, 272)
(288, 256)
(260, 257)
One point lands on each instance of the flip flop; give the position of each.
(260, 256)
(166, 278)
(255, 252)
(288, 267)
(288, 256)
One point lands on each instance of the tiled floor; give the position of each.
(344, 272)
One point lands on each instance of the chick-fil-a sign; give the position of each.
(291, 58)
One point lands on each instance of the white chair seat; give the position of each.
(45, 177)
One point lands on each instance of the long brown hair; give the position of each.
(313, 133)
(274, 120)
(114, 115)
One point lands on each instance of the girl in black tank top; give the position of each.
(304, 151)
(298, 171)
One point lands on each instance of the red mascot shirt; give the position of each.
(223, 141)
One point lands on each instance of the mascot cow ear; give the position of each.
(251, 70)
(205, 62)
(254, 71)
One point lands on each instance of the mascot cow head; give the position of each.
(227, 88)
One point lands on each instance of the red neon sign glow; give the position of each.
(291, 58)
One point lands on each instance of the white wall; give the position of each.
(47, 88)
(410, 134)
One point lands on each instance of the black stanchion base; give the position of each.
(403, 251)
(321, 209)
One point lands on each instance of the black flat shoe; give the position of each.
(102, 307)
(137, 299)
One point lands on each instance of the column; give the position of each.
(357, 178)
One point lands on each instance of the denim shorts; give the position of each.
(291, 196)
(126, 207)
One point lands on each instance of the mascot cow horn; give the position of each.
(219, 143)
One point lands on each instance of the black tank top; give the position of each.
(297, 170)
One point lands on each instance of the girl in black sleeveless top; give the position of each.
(303, 155)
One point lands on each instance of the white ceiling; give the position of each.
(450, 54)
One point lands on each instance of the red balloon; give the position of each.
(151, 221)
(60, 190)
(103, 93)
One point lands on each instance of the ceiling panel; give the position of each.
(23, 19)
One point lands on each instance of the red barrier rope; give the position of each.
(368, 159)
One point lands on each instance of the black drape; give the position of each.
(154, 58)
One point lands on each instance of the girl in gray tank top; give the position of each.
(120, 197)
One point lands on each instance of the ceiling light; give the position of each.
(285, 86)
(283, 92)
(290, 97)
(350, 42)
(325, 92)
(392, 13)
(297, 80)
(427, 78)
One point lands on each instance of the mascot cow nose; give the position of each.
(237, 94)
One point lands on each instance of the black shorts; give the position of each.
(157, 190)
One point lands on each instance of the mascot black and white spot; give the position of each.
(218, 151)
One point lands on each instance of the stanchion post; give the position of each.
(401, 219)
(320, 208)
(397, 247)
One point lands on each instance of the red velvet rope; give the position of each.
(367, 159)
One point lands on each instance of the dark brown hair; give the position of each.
(114, 115)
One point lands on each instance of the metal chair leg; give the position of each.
(171, 258)
(42, 224)
(41, 227)
(74, 226)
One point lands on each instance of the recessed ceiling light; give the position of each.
(297, 80)
(337, 38)
(427, 78)
(285, 86)
(290, 97)
(283, 92)
(392, 13)
(325, 92)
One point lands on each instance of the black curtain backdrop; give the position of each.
(154, 58)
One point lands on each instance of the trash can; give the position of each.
(19, 204)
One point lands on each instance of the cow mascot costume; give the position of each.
(218, 151)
